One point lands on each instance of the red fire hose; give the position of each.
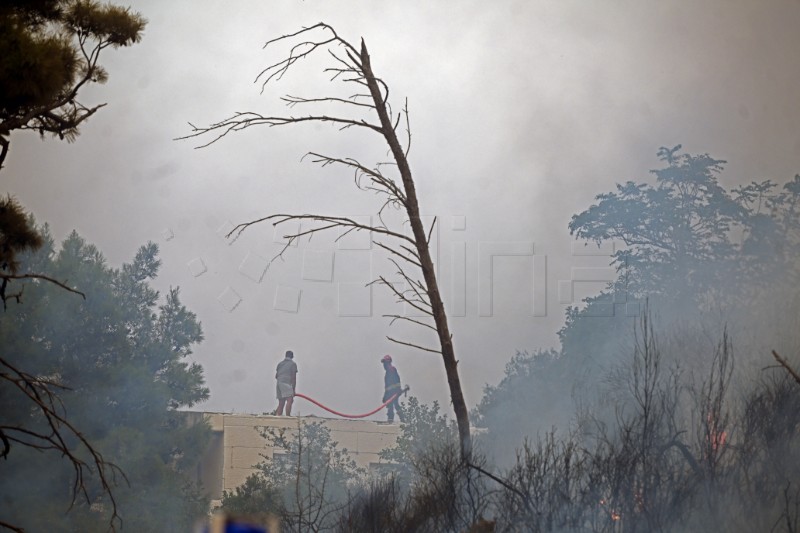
(384, 404)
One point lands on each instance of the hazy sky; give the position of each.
(521, 113)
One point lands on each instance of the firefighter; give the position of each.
(392, 387)
(286, 378)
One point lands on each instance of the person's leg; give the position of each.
(281, 403)
(390, 413)
(279, 410)
(289, 402)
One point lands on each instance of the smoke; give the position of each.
(678, 408)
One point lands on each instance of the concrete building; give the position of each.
(237, 445)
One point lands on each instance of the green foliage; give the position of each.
(771, 244)
(310, 454)
(120, 358)
(16, 235)
(689, 245)
(534, 391)
(424, 427)
(108, 23)
(307, 478)
(669, 229)
(682, 237)
(256, 497)
(37, 64)
(50, 49)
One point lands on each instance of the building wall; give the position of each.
(237, 445)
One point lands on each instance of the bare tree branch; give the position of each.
(292, 101)
(11, 527)
(401, 297)
(243, 120)
(277, 70)
(526, 501)
(40, 391)
(409, 319)
(383, 184)
(430, 231)
(415, 286)
(408, 129)
(785, 364)
(333, 222)
(412, 345)
(398, 254)
(4, 296)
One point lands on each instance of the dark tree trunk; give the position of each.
(428, 272)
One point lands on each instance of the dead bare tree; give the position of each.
(352, 65)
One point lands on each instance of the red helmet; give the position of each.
(386, 359)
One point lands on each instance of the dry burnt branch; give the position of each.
(409, 319)
(413, 296)
(277, 70)
(412, 345)
(292, 101)
(330, 222)
(333, 222)
(408, 128)
(401, 297)
(11, 527)
(524, 498)
(4, 296)
(42, 393)
(430, 231)
(411, 258)
(347, 69)
(785, 364)
(415, 286)
(380, 183)
(243, 120)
